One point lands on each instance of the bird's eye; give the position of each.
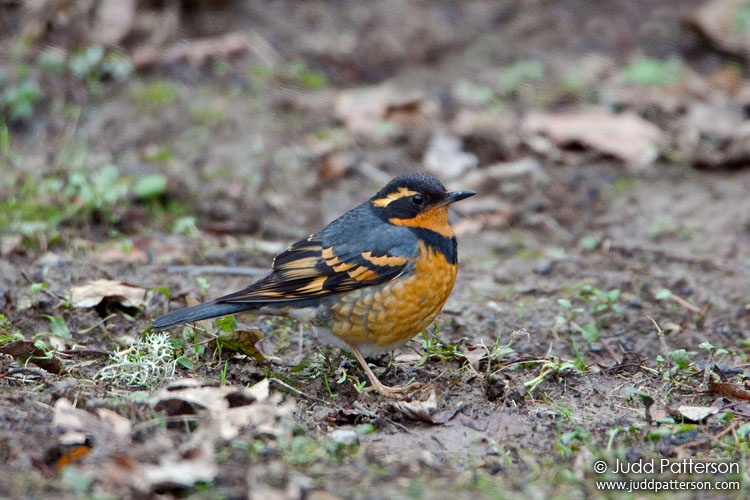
(417, 199)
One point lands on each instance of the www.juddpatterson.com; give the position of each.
(666, 466)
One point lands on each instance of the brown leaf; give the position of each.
(717, 20)
(25, 350)
(364, 110)
(445, 157)
(244, 341)
(231, 408)
(114, 253)
(82, 431)
(625, 136)
(473, 354)
(695, 414)
(418, 410)
(93, 292)
(729, 389)
(113, 21)
(196, 464)
(199, 51)
(19, 348)
(206, 395)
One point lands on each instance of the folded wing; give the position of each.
(310, 268)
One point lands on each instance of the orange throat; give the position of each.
(435, 220)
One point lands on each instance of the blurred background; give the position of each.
(178, 146)
(244, 106)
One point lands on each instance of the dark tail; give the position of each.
(199, 312)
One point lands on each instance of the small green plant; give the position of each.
(435, 349)
(741, 23)
(224, 370)
(581, 362)
(17, 102)
(58, 327)
(96, 192)
(646, 399)
(150, 186)
(148, 362)
(601, 301)
(601, 305)
(551, 367)
(653, 72)
(93, 65)
(7, 332)
(153, 95)
(187, 226)
(518, 73)
(677, 362)
(715, 354)
(203, 285)
(320, 364)
(589, 243)
(32, 205)
(226, 324)
(190, 341)
(681, 358)
(299, 71)
(344, 376)
(570, 442)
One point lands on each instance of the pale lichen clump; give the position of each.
(147, 362)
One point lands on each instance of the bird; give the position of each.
(374, 278)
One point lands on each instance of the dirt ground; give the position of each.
(602, 308)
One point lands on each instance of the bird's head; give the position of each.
(417, 200)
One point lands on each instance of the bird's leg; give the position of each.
(377, 385)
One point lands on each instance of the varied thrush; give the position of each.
(374, 278)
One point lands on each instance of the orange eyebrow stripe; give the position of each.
(402, 192)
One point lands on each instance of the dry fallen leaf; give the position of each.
(738, 149)
(244, 341)
(231, 408)
(92, 293)
(427, 410)
(695, 414)
(83, 433)
(114, 253)
(418, 410)
(114, 20)
(729, 389)
(717, 20)
(473, 353)
(197, 52)
(626, 136)
(25, 350)
(364, 110)
(181, 470)
(444, 157)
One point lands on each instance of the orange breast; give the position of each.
(381, 318)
